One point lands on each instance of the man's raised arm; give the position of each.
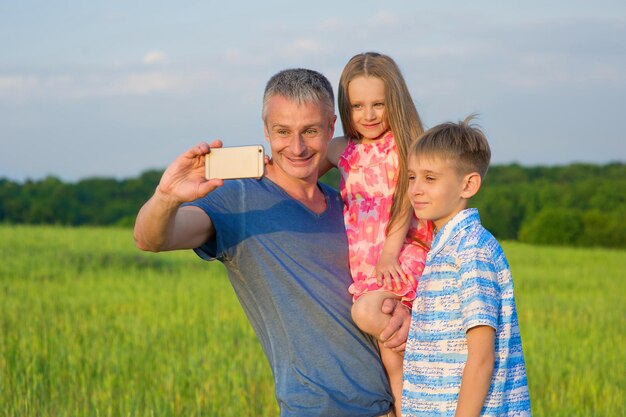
(161, 223)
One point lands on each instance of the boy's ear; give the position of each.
(471, 185)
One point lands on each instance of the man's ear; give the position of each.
(332, 125)
(471, 185)
(266, 132)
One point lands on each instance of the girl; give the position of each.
(387, 244)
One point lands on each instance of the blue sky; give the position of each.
(114, 88)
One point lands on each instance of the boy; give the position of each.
(464, 352)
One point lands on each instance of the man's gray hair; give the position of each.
(300, 85)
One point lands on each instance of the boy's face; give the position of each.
(436, 190)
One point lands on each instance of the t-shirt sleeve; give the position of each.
(208, 250)
(479, 292)
(217, 205)
(227, 207)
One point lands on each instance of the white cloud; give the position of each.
(11, 84)
(384, 17)
(234, 56)
(139, 83)
(472, 49)
(239, 58)
(131, 83)
(303, 47)
(154, 57)
(332, 23)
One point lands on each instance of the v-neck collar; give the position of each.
(304, 206)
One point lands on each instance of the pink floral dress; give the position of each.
(369, 174)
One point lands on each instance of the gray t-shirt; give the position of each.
(289, 268)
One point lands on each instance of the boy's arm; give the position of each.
(478, 371)
(388, 270)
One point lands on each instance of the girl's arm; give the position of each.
(335, 149)
(478, 371)
(388, 269)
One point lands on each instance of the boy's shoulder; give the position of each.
(475, 241)
(465, 237)
(476, 235)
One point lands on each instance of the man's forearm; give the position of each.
(155, 222)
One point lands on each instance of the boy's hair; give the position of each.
(462, 143)
(300, 85)
(400, 111)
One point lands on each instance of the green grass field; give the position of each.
(90, 326)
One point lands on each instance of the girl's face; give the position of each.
(367, 100)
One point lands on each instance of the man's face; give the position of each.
(298, 135)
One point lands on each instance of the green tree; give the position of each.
(553, 226)
(603, 229)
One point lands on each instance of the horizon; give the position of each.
(148, 170)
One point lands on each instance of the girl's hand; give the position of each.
(389, 273)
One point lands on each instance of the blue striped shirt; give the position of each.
(466, 283)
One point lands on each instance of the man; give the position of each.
(283, 243)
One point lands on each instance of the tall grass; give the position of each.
(572, 310)
(90, 326)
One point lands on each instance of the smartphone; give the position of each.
(235, 162)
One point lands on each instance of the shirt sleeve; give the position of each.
(479, 290)
(208, 250)
(228, 210)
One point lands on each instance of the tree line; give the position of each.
(91, 201)
(574, 205)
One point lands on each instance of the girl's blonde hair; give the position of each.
(400, 112)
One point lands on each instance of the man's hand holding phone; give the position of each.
(203, 168)
(184, 179)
